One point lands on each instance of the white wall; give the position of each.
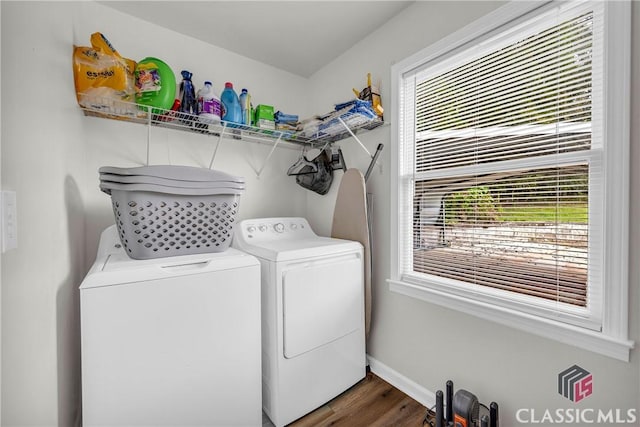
(50, 156)
(418, 339)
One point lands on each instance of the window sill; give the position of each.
(594, 341)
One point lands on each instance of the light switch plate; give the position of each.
(9, 220)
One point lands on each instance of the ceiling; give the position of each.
(295, 36)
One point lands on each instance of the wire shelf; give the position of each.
(332, 127)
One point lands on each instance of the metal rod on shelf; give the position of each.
(326, 144)
(148, 132)
(354, 136)
(215, 151)
(264, 164)
(374, 158)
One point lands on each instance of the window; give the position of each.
(511, 195)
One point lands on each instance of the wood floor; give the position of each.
(370, 403)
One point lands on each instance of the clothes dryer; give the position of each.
(170, 341)
(313, 341)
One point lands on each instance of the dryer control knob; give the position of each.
(279, 227)
(251, 229)
(263, 228)
(294, 226)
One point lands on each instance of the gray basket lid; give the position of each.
(144, 179)
(107, 186)
(174, 172)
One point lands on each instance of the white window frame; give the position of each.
(612, 337)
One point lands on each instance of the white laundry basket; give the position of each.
(184, 218)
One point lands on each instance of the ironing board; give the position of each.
(350, 223)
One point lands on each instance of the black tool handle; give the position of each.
(494, 416)
(439, 409)
(449, 415)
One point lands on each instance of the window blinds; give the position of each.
(502, 163)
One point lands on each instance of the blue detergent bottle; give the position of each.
(231, 104)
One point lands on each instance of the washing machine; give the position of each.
(171, 341)
(313, 340)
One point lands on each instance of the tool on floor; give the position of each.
(466, 409)
(461, 409)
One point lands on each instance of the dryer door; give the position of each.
(322, 302)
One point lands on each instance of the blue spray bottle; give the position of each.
(187, 96)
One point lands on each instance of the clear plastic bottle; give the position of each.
(209, 105)
(232, 112)
(245, 107)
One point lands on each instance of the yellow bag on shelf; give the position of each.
(104, 80)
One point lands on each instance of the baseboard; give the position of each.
(402, 383)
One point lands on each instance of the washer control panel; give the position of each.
(271, 229)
